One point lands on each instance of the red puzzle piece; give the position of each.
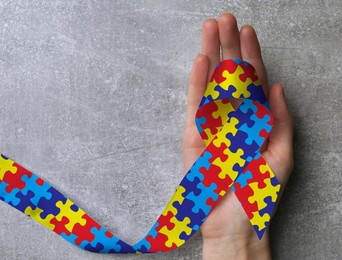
(243, 194)
(225, 65)
(83, 232)
(60, 226)
(14, 180)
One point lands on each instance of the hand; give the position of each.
(227, 232)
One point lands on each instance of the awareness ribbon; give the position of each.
(231, 159)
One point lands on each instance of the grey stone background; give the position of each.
(92, 98)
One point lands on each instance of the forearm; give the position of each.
(240, 248)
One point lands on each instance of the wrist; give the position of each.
(237, 247)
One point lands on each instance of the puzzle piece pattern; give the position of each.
(231, 159)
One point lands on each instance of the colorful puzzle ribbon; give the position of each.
(231, 159)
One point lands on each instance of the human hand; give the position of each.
(227, 232)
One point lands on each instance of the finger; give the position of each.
(250, 51)
(229, 36)
(197, 84)
(211, 43)
(279, 152)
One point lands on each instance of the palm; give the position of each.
(228, 217)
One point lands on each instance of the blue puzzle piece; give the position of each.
(185, 236)
(274, 181)
(49, 205)
(239, 169)
(38, 190)
(200, 201)
(261, 232)
(269, 208)
(74, 207)
(185, 210)
(205, 100)
(104, 244)
(237, 142)
(25, 201)
(243, 178)
(4, 157)
(257, 93)
(244, 113)
(125, 248)
(96, 249)
(190, 186)
(202, 161)
(246, 106)
(199, 122)
(238, 61)
(143, 245)
(9, 197)
(253, 132)
(225, 93)
(70, 239)
(153, 232)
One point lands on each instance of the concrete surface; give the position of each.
(81, 105)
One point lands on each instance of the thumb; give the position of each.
(279, 152)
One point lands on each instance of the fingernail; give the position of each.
(226, 12)
(198, 56)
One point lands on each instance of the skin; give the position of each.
(227, 232)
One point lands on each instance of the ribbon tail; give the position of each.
(257, 189)
(31, 195)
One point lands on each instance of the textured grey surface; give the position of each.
(82, 106)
